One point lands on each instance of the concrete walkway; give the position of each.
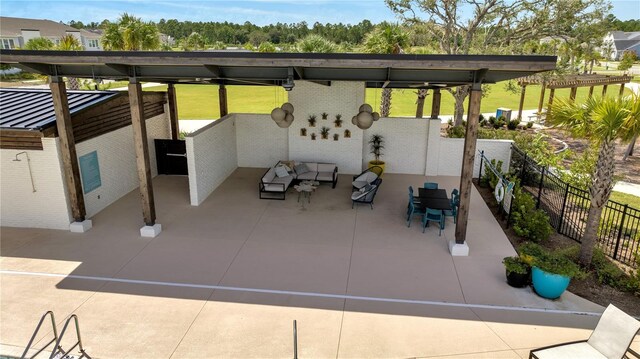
(626, 187)
(227, 278)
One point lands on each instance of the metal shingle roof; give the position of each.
(30, 109)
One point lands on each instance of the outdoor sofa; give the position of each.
(277, 180)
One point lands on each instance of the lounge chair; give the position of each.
(366, 194)
(611, 339)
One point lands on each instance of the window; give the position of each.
(8, 44)
(93, 43)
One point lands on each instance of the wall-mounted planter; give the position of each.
(313, 136)
(336, 136)
(303, 132)
(347, 134)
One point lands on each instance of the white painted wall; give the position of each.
(19, 205)
(211, 156)
(405, 144)
(340, 98)
(451, 149)
(117, 160)
(260, 142)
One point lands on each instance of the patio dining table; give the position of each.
(434, 199)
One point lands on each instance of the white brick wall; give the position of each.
(405, 144)
(19, 205)
(117, 159)
(433, 147)
(260, 142)
(451, 149)
(211, 156)
(340, 98)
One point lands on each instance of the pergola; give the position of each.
(572, 82)
(270, 69)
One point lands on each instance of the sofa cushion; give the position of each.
(312, 166)
(286, 180)
(359, 184)
(269, 176)
(325, 176)
(310, 176)
(326, 167)
(301, 169)
(274, 188)
(281, 171)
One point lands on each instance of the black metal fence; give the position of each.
(567, 207)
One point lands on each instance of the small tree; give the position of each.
(266, 47)
(628, 58)
(39, 43)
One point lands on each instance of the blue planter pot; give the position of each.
(549, 285)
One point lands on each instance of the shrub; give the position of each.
(529, 222)
(606, 271)
(516, 265)
(552, 262)
(484, 122)
(489, 177)
(529, 124)
(456, 131)
(513, 124)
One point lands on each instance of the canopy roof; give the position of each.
(568, 81)
(240, 68)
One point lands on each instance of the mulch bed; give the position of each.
(587, 288)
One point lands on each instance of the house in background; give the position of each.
(16, 32)
(617, 42)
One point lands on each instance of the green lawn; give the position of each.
(625, 198)
(201, 101)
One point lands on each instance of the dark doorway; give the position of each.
(171, 157)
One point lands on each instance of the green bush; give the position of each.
(606, 271)
(529, 124)
(489, 177)
(516, 265)
(552, 262)
(529, 222)
(456, 131)
(513, 124)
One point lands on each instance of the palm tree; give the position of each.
(603, 121)
(130, 33)
(39, 43)
(386, 39)
(195, 41)
(316, 43)
(70, 43)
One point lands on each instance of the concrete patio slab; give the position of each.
(232, 326)
(211, 284)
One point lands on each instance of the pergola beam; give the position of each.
(435, 103)
(172, 103)
(222, 99)
(214, 70)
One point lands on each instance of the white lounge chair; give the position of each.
(611, 339)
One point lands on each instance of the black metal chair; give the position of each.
(366, 196)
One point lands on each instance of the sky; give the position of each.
(260, 12)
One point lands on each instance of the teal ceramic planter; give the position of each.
(549, 285)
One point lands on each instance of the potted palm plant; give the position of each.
(324, 115)
(376, 145)
(550, 272)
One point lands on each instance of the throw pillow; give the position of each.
(301, 168)
(281, 171)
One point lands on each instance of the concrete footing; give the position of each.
(458, 250)
(151, 231)
(81, 227)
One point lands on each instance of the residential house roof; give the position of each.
(13, 26)
(625, 40)
(32, 109)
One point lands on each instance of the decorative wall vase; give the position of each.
(312, 120)
(324, 115)
(313, 136)
(347, 134)
(336, 136)
(324, 132)
(303, 132)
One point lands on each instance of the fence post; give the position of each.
(540, 186)
(522, 170)
(480, 173)
(624, 215)
(564, 205)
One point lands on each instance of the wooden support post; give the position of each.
(551, 96)
(591, 92)
(142, 152)
(435, 103)
(573, 93)
(621, 90)
(468, 157)
(173, 111)
(542, 90)
(521, 106)
(222, 97)
(604, 90)
(70, 166)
